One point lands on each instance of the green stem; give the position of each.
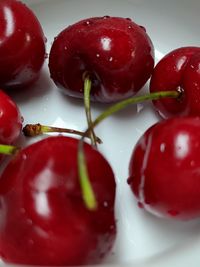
(86, 186)
(8, 149)
(87, 190)
(87, 91)
(132, 100)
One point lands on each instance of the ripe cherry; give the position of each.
(10, 120)
(22, 45)
(164, 168)
(179, 71)
(43, 218)
(116, 53)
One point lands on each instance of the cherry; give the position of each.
(116, 53)
(180, 71)
(10, 120)
(43, 218)
(164, 168)
(22, 46)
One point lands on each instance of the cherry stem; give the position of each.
(86, 187)
(8, 149)
(87, 91)
(32, 130)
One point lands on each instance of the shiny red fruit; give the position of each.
(178, 70)
(116, 53)
(10, 120)
(164, 168)
(22, 45)
(43, 219)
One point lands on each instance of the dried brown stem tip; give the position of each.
(32, 130)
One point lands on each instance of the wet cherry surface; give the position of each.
(164, 168)
(115, 52)
(43, 219)
(178, 70)
(22, 45)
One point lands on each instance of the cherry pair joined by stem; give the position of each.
(22, 46)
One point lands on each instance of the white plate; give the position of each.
(142, 239)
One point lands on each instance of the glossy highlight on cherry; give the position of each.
(164, 169)
(44, 220)
(117, 54)
(179, 71)
(22, 46)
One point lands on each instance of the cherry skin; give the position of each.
(178, 70)
(10, 120)
(43, 219)
(164, 169)
(22, 46)
(117, 54)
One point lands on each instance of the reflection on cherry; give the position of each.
(164, 168)
(43, 218)
(22, 45)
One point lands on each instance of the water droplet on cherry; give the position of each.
(129, 180)
(140, 205)
(173, 212)
(105, 204)
(106, 17)
(143, 28)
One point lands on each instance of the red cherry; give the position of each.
(117, 54)
(22, 45)
(10, 120)
(44, 220)
(164, 168)
(178, 70)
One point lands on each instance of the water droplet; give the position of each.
(129, 180)
(22, 210)
(192, 163)
(111, 59)
(143, 28)
(112, 227)
(24, 156)
(97, 55)
(162, 147)
(65, 48)
(29, 222)
(22, 119)
(106, 17)
(130, 27)
(30, 242)
(140, 205)
(87, 23)
(173, 212)
(105, 204)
